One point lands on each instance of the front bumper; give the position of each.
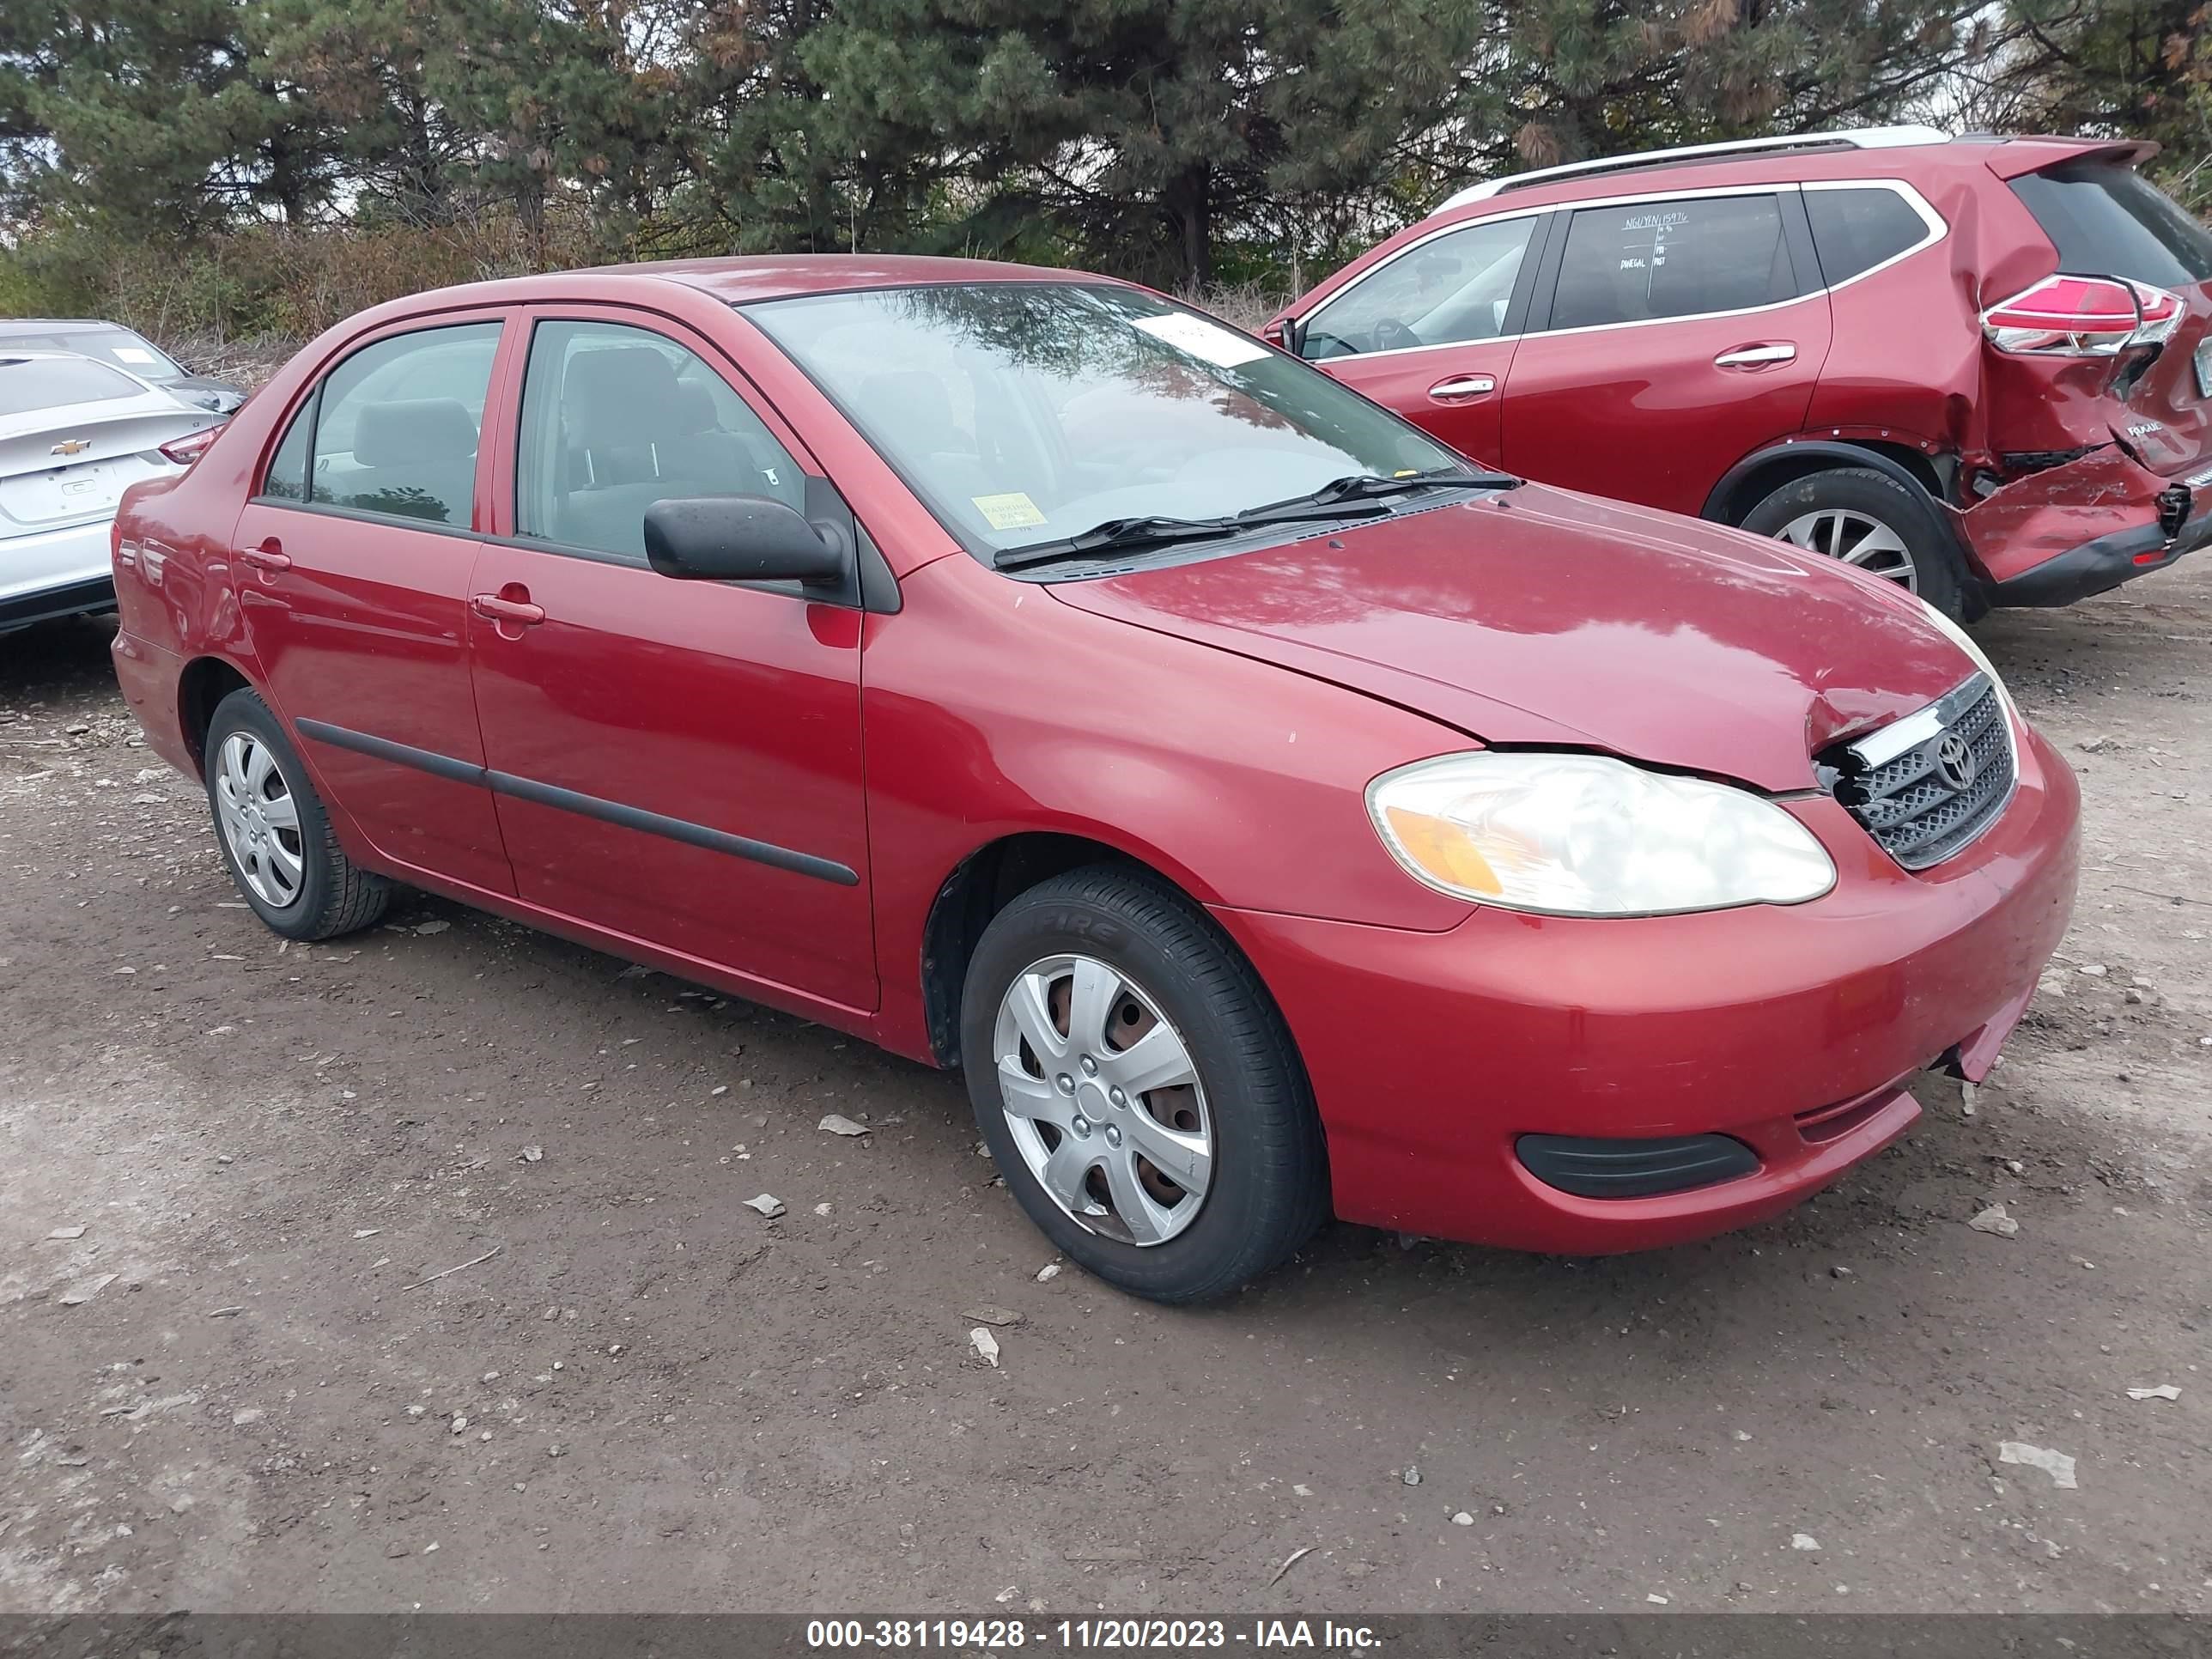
(1793, 1029)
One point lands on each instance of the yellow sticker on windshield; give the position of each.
(1012, 511)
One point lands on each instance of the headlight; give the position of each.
(1586, 836)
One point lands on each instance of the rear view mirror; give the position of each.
(737, 538)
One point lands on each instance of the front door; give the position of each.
(675, 763)
(1431, 331)
(1681, 336)
(352, 564)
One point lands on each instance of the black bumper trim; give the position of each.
(74, 600)
(1592, 1168)
(2096, 566)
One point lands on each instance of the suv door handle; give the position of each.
(1757, 356)
(270, 555)
(1462, 386)
(493, 609)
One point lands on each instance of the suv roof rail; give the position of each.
(1846, 138)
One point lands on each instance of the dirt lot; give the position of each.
(639, 1395)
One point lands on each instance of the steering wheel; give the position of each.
(1390, 335)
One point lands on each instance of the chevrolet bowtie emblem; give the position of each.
(72, 447)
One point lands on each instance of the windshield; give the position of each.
(1023, 412)
(119, 346)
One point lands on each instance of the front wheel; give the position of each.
(1138, 1089)
(1868, 519)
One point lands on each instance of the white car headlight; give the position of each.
(1587, 835)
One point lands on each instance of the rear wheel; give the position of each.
(1138, 1089)
(276, 839)
(1868, 519)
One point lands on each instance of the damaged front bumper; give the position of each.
(2082, 527)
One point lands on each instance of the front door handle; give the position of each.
(270, 555)
(1763, 355)
(495, 608)
(1462, 386)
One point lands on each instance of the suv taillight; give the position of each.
(2066, 316)
(188, 448)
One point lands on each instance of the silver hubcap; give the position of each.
(1839, 533)
(1104, 1103)
(259, 819)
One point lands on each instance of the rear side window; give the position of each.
(1855, 230)
(397, 429)
(1641, 261)
(2107, 220)
(1451, 289)
(30, 384)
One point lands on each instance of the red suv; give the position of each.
(1269, 811)
(1977, 366)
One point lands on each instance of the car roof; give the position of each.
(1882, 152)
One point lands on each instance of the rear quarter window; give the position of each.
(1855, 230)
(2107, 220)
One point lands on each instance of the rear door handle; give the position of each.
(1462, 386)
(1763, 355)
(270, 555)
(493, 609)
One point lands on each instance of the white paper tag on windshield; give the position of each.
(1209, 342)
(134, 354)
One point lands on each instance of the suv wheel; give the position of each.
(1138, 1090)
(274, 836)
(1868, 519)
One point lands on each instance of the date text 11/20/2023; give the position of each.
(1086, 1633)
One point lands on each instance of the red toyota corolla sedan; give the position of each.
(1273, 814)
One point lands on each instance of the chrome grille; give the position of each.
(1925, 786)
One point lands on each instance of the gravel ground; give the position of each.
(235, 1390)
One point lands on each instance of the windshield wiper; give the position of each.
(1367, 486)
(1114, 535)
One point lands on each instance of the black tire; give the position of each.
(334, 896)
(1269, 1185)
(1939, 573)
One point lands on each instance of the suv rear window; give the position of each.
(2107, 220)
(1855, 230)
(33, 383)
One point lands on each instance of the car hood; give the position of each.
(1539, 616)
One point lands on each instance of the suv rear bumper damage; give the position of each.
(2081, 528)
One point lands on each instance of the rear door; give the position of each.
(1430, 332)
(1669, 338)
(351, 566)
(677, 762)
(2106, 220)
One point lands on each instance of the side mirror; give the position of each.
(742, 538)
(1277, 333)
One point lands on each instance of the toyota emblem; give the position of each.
(1954, 762)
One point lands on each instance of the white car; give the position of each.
(74, 434)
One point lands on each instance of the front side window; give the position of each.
(397, 424)
(1453, 288)
(1638, 262)
(1024, 412)
(617, 418)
